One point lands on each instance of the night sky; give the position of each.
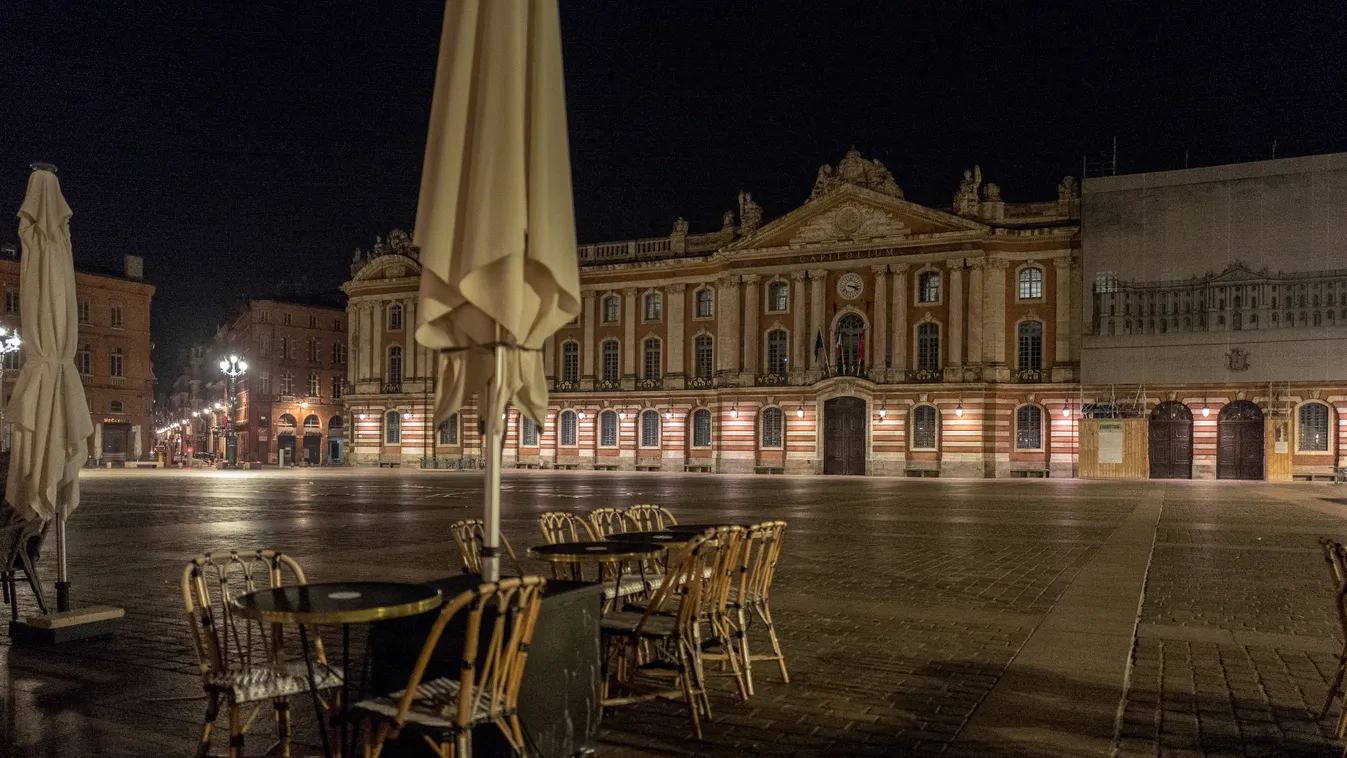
(245, 147)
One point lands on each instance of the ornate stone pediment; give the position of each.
(398, 245)
(851, 213)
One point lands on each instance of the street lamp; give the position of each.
(233, 367)
(9, 342)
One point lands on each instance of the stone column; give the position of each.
(353, 343)
(629, 333)
(675, 303)
(802, 346)
(1061, 274)
(377, 323)
(587, 366)
(818, 279)
(954, 357)
(752, 307)
(975, 273)
(898, 357)
(994, 322)
(550, 357)
(878, 342)
(727, 324)
(412, 368)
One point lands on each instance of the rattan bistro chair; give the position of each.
(750, 594)
(1335, 554)
(560, 526)
(469, 535)
(443, 710)
(243, 662)
(651, 518)
(664, 639)
(608, 521)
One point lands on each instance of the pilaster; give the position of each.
(898, 356)
(954, 356)
(587, 350)
(975, 308)
(629, 333)
(800, 346)
(1061, 358)
(750, 364)
(818, 279)
(878, 343)
(727, 324)
(675, 299)
(994, 322)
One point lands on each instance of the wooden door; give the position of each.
(1170, 432)
(844, 436)
(1239, 441)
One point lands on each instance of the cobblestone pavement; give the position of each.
(918, 616)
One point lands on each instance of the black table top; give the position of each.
(338, 602)
(667, 537)
(564, 552)
(698, 527)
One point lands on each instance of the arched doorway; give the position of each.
(285, 439)
(1239, 441)
(335, 440)
(1171, 441)
(844, 436)
(313, 440)
(850, 345)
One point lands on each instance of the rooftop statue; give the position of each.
(853, 169)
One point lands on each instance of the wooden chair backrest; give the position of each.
(469, 535)
(1336, 559)
(608, 521)
(651, 518)
(492, 686)
(758, 559)
(224, 640)
(685, 583)
(729, 543)
(563, 527)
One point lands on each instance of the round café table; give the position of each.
(671, 539)
(578, 554)
(343, 603)
(698, 528)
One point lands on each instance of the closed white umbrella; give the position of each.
(495, 221)
(50, 415)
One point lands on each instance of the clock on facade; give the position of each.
(849, 286)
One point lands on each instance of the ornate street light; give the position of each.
(233, 367)
(9, 342)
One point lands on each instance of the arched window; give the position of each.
(1313, 436)
(928, 347)
(393, 428)
(654, 306)
(778, 296)
(1029, 428)
(528, 431)
(650, 426)
(610, 367)
(395, 364)
(449, 430)
(394, 317)
(705, 303)
(568, 428)
(849, 342)
(611, 307)
(777, 356)
(608, 429)
(650, 350)
(702, 365)
(1031, 346)
(928, 287)
(771, 427)
(925, 427)
(701, 428)
(1031, 283)
(570, 361)
(116, 406)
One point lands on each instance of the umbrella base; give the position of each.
(66, 626)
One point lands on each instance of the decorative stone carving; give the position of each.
(993, 193)
(399, 243)
(1237, 359)
(850, 222)
(1067, 190)
(750, 214)
(727, 222)
(966, 199)
(853, 169)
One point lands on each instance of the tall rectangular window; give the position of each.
(116, 318)
(568, 430)
(83, 360)
(772, 427)
(1029, 428)
(650, 428)
(928, 287)
(610, 366)
(608, 429)
(776, 351)
(924, 427)
(287, 383)
(1313, 426)
(570, 361)
(313, 322)
(313, 385)
(701, 428)
(285, 318)
(117, 367)
(14, 360)
(264, 345)
(284, 343)
(611, 307)
(705, 303)
(264, 382)
(338, 352)
(702, 357)
(1031, 283)
(336, 387)
(928, 347)
(395, 364)
(313, 349)
(651, 361)
(530, 432)
(1031, 346)
(778, 296)
(84, 311)
(449, 430)
(11, 302)
(654, 305)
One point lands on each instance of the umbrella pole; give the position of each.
(494, 432)
(62, 578)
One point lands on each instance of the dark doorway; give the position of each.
(844, 436)
(312, 446)
(1171, 441)
(115, 438)
(285, 446)
(1239, 441)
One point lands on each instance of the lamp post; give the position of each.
(9, 342)
(233, 367)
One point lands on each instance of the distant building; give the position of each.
(860, 333)
(113, 354)
(1216, 308)
(290, 401)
